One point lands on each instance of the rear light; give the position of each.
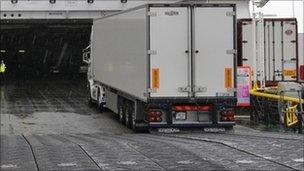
(227, 115)
(155, 113)
(155, 116)
(191, 108)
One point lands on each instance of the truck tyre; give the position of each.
(100, 103)
(100, 107)
(128, 120)
(122, 116)
(137, 128)
(133, 121)
(89, 98)
(229, 129)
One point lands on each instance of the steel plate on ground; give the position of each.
(66, 157)
(16, 154)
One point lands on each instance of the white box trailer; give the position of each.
(280, 48)
(166, 65)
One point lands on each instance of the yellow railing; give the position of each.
(290, 115)
(256, 92)
(290, 112)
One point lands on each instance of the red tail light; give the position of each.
(227, 115)
(155, 115)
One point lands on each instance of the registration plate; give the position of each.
(180, 116)
(214, 129)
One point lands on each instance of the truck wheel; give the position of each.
(89, 98)
(121, 114)
(100, 103)
(140, 127)
(229, 129)
(128, 120)
(136, 128)
(100, 107)
(133, 121)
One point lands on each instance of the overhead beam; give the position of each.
(81, 9)
(67, 9)
(74, 5)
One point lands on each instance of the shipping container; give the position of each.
(166, 65)
(280, 48)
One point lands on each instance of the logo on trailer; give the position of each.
(288, 32)
(171, 13)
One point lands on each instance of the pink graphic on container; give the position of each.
(243, 85)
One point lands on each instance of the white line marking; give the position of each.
(127, 162)
(66, 164)
(298, 160)
(244, 161)
(4, 166)
(185, 162)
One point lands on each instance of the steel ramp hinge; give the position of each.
(184, 89)
(152, 14)
(152, 52)
(230, 13)
(200, 89)
(231, 51)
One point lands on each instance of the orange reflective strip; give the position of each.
(155, 78)
(290, 72)
(228, 78)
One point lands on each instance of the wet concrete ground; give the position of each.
(47, 125)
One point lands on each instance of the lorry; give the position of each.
(280, 48)
(166, 66)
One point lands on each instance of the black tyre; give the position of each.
(128, 118)
(122, 116)
(128, 121)
(101, 107)
(229, 129)
(99, 103)
(89, 98)
(134, 125)
(133, 121)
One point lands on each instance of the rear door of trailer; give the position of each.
(169, 37)
(280, 48)
(289, 37)
(214, 54)
(192, 51)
